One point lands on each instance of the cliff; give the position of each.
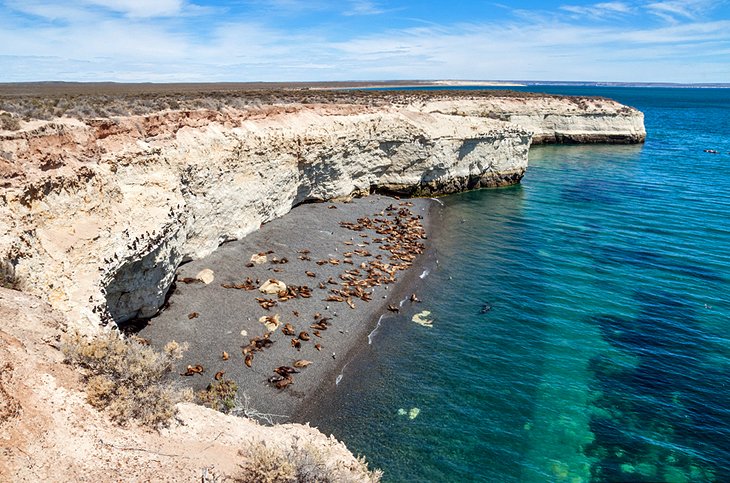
(96, 215)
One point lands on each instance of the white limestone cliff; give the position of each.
(96, 216)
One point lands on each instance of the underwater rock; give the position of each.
(421, 319)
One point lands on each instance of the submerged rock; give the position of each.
(421, 319)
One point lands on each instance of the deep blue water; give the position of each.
(605, 355)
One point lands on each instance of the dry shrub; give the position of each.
(8, 122)
(219, 395)
(302, 462)
(126, 378)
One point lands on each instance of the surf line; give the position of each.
(339, 377)
(371, 334)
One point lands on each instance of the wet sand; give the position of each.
(224, 315)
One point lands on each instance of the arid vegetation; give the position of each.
(299, 463)
(219, 395)
(126, 378)
(85, 101)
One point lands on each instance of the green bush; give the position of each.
(220, 395)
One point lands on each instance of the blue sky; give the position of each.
(288, 40)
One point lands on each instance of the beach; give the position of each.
(310, 250)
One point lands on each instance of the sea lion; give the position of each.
(285, 370)
(284, 382)
(193, 315)
(393, 308)
(248, 360)
(303, 336)
(219, 375)
(192, 370)
(302, 363)
(288, 329)
(225, 356)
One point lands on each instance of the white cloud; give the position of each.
(674, 11)
(364, 7)
(599, 10)
(141, 8)
(141, 43)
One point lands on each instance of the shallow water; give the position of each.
(580, 319)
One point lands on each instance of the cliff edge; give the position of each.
(96, 215)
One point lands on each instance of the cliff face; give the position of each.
(95, 216)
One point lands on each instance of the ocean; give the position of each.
(581, 324)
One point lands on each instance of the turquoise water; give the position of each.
(580, 319)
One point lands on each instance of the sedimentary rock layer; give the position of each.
(95, 216)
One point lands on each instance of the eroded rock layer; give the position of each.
(96, 216)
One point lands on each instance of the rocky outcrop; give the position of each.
(95, 216)
(557, 120)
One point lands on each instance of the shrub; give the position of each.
(302, 462)
(125, 378)
(8, 122)
(220, 395)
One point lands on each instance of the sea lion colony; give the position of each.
(385, 244)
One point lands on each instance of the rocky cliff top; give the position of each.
(83, 101)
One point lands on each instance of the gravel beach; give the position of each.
(343, 263)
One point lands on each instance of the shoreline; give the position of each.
(222, 314)
(408, 284)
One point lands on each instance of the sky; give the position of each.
(309, 40)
